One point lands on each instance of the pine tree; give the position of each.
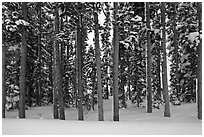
(164, 63)
(79, 63)
(38, 94)
(115, 64)
(59, 70)
(23, 65)
(3, 77)
(55, 74)
(149, 62)
(106, 49)
(98, 65)
(199, 66)
(176, 49)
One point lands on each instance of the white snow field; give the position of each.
(133, 121)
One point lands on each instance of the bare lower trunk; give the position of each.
(115, 65)
(199, 69)
(149, 63)
(79, 67)
(23, 66)
(98, 66)
(164, 64)
(3, 79)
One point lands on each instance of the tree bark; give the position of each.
(164, 63)
(59, 71)
(38, 94)
(23, 65)
(55, 75)
(79, 66)
(158, 74)
(115, 64)
(149, 62)
(176, 51)
(51, 72)
(3, 77)
(98, 66)
(199, 69)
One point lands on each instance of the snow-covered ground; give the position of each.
(133, 120)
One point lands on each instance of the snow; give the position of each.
(193, 36)
(133, 121)
(136, 19)
(22, 22)
(15, 47)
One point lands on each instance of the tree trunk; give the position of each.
(23, 65)
(55, 75)
(115, 64)
(59, 71)
(128, 80)
(79, 65)
(51, 72)
(98, 66)
(176, 51)
(3, 77)
(158, 74)
(149, 62)
(164, 63)
(38, 94)
(77, 71)
(199, 69)
(93, 80)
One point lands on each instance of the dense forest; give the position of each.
(139, 51)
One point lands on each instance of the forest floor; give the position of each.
(133, 121)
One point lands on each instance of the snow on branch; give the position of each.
(22, 22)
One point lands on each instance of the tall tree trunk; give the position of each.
(79, 65)
(93, 91)
(77, 71)
(158, 74)
(106, 88)
(149, 62)
(115, 64)
(3, 77)
(23, 65)
(199, 69)
(128, 80)
(59, 70)
(55, 75)
(98, 66)
(38, 94)
(164, 63)
(51, 71)
(176, 50)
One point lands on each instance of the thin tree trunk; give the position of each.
(3, 78)
(199, 69)
(38, 94)
(77, 71)
(149, 62)
(176, 50)
(51, 72)
(128, 80)
(98, 66)
(23, 65)
(59, 71)
(55, 75)
(164, 63)
(115, 64)
(79, 65)
(158, 75)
